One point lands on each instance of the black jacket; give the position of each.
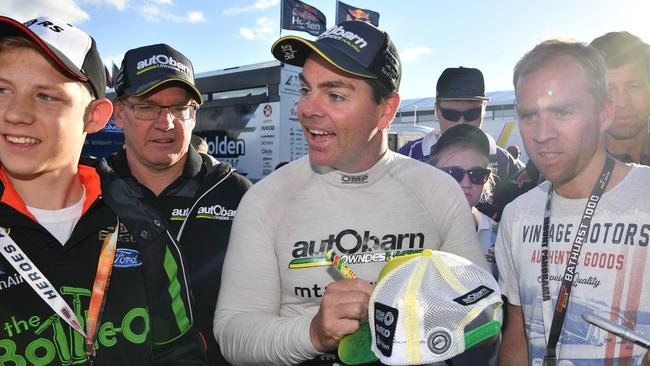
(147, 318)
(199, 208)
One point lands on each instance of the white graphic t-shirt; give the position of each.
(612, 277)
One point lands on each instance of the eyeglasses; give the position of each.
(476, 175)
(152, 111)
(454, 115)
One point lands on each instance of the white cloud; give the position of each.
(150, 12)
(247, 33)
(263, 27)
(71, 11)
(24, 10)
(195, 17)
(257, 5)
(117, 4)
(155, 14)
(412, 54)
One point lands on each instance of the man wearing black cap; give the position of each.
(351, 195)
(87, 274)
(460, 98)
(196, 194)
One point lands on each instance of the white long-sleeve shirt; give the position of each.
(275, 274)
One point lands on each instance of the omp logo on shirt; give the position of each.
(354, 179)
(214, 212)
(355, 248)
(162, 61)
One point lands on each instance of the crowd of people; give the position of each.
(163, 255)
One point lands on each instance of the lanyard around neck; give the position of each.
(44, 288)
(564, 293)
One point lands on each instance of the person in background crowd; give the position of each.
(460, 98)
(558, 240)
(351, 194)
(628, 78)
(96, 277)
(463, 152)
(195, 194)
(513, 150)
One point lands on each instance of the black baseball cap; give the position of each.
(71, 49)
(146, 68)
(354, 47)
(463, 133)
(461, 83)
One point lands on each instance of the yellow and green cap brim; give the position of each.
(142, 90)
(302, 48)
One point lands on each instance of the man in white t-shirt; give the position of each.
(281, 302)
(595, 255)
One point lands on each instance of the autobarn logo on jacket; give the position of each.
(213, 212)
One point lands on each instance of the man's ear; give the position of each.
(389, 109)
(118, 110)
(607, 114)
(97, 115)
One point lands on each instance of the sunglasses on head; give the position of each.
(454, 115)
(476, 175)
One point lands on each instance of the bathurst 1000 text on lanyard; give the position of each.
(562, 303)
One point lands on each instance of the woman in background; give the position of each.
(462, 151)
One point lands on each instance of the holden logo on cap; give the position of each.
(439, 341)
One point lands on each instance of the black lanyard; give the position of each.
(562, 302)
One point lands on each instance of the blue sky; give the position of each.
(430, 34)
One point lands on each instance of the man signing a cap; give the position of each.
(281, 302)
(156, 106)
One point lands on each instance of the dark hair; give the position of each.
(620, 48)
(587, 57)
(380, 91)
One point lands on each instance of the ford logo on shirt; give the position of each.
(126, 258)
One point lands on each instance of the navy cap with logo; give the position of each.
(72, 50)
(461, 83)
(354, 47)
(463, 133)
(147, 68)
